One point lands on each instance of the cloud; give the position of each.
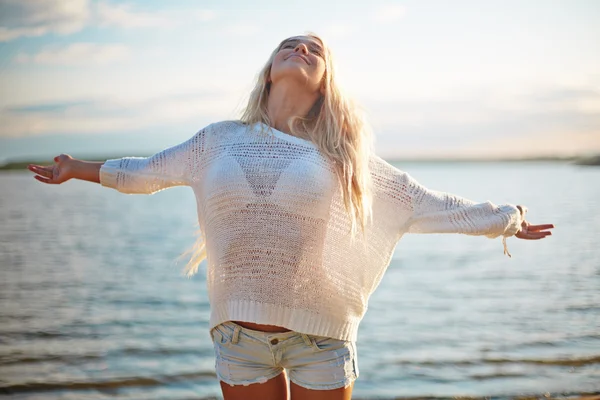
(56, 107)
(204, 15)
(83, 116)
(127, 17)
(241, 29)
(389, 13)
(553, 120)
(29, 18)
(584, 100)
(77, 54)
(556, 105)
(123, 16)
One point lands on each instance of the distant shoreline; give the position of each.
(587, 161)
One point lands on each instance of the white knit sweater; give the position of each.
(276, 231)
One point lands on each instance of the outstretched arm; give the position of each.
(439, 212)
(65, 168)
(442, 212)
(421, 210)
(171, 167)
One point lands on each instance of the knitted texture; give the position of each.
(277, 235)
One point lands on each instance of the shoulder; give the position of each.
(226, 126)
(216, 132)
(227, 129)
(383, 169)
(389, 180)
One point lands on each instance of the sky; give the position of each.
(436, 78)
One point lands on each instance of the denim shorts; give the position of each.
(245, 356)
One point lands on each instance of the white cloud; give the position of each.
(523, 122)
(241, 29)
(77, 54)
(204, 15)
(38, 17)
(123, 16)
(389, 13)
(7, 35)
(30, 18)
(114, 115)
(549, 98)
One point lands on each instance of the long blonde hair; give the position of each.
(336, 125)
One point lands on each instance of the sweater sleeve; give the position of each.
(439, 212)
(147, 175)
(421, 210)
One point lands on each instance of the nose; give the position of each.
(302, 47)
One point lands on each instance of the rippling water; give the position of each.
(93, 305)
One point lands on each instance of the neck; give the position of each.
(286, 100)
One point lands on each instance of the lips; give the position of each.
(301, 56)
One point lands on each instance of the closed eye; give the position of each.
(317, 51)
(314, 49)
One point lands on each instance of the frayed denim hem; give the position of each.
(261, 379)
(311, 386)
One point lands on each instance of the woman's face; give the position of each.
(300, 58)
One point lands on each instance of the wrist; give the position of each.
(75, 167)
(85, 170)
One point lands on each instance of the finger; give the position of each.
(45, 180)
(535, 228)
(547, 233)
(527, 232)
(44, 171)
(534, 235)
(34, 167)
(62, 157)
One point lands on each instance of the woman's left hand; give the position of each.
(534, 232)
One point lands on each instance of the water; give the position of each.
(93, 305)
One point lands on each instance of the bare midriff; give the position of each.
(261, 327)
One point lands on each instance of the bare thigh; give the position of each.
(300, 393)
(275, 389)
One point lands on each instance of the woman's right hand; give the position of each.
(60, 172)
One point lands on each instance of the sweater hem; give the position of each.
(301, 321)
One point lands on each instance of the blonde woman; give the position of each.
(299, 220)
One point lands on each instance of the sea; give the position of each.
(93, 304)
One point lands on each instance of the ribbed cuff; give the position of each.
(516, 219)
(108, 173)
(515, 224)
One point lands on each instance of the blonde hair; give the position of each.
(338, 128)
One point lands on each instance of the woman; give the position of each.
(299, 222)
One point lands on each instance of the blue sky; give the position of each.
(437, 78)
